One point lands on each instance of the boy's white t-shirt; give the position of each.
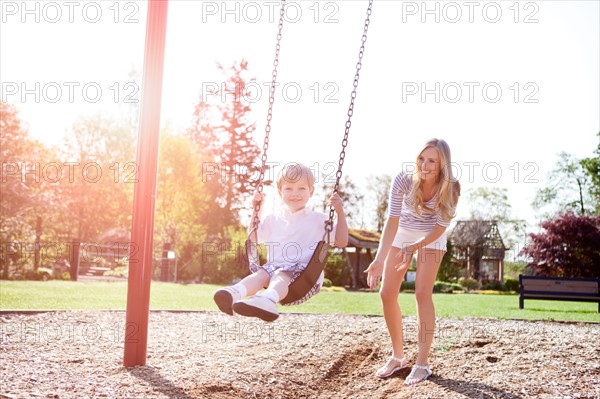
(291, 238)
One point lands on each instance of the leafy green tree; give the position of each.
(26, 191)
(592, 166)
(350, 194)
(449, 271)
(513, 269)
(492, 204)
(182, 206)
(97, 194)
(487, 203)
(567, 188)
(379, 186)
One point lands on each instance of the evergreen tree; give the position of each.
(224, 132)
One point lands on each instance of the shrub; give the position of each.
(224, 270)
(65, 276)
(513, 269)
(327, 283)
(224, 262)
(511, 284)
(468, 283)
(337, 269)
(37, 275)
(446, 288)
(118, 271)
(407, 285)
(494, 286)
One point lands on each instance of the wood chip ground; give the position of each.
(211, 355)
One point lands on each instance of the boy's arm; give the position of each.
(341, 230)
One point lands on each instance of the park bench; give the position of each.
(559, 288)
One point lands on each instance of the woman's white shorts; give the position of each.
(408, 237)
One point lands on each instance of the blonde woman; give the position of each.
(422, 204)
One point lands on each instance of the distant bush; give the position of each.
(337, 270)
(37, 275)
(407, 285)
(327, 283)
(118, 271)
(511, 284)
(468, 283)
(446, 288)
(494, 286)
(224, 261)
(513, 269)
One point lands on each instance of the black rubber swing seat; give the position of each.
(302, 286)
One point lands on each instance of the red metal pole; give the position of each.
(142, 229)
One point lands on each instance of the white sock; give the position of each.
(241, 288)
(271, 293)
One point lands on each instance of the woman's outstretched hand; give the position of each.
(374, 272)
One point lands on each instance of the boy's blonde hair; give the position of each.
(292, 172)
(448, 186)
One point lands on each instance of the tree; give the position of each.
(182, 206)
(492, 204)
(592, 166)
(223, 131)
(449, 271)
(568, 187)
(379, 186)
(24, 189)
(350, 195)
(569, 247)
(97, 193)
(488, 203)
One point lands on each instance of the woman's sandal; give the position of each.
(381, 373)
(411, 380)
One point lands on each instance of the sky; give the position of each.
(508, 84)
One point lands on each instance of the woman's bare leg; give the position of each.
(428, 264)
(390, 288)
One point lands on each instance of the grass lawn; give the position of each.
(67, 295)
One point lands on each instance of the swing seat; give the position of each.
(309, 281)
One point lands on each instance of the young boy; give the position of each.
(291, 236)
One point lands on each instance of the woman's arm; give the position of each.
(375, 269)
(387, 238)
(408, 251)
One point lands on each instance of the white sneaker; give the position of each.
(225, 297)
(257, 306)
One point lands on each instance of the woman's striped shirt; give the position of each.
(402, 205)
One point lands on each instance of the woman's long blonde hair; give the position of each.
(448, 189)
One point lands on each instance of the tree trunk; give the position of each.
(38, 233)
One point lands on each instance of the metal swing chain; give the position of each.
(329, 222)
(259, 187)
